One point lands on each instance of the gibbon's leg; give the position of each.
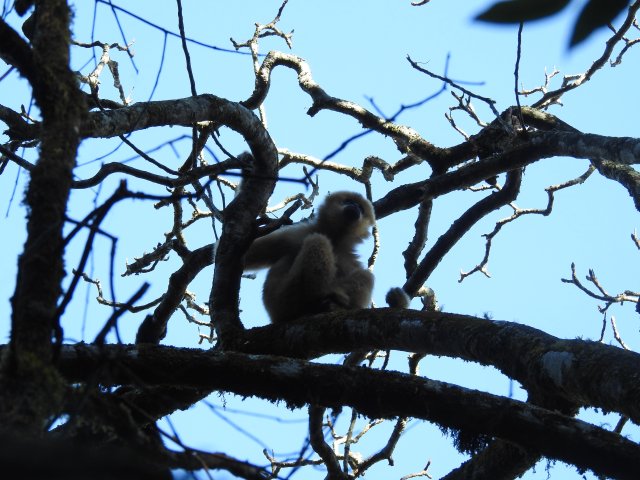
(358, 287)
(303, 286)
(315, 269)
(315, 265)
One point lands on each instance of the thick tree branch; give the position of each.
(583, 372)
(40, 267)
(238, 231)
(538, 145)
(184, 112)
(625, 175)
(375, 393)
(40, 459)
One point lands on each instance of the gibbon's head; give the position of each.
(345, 215)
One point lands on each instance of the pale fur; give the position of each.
(313, 267)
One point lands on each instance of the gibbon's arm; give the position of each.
(266, 251)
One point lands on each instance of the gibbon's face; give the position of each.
(352, 210)
(346, 214)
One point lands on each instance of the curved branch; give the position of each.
(187, 178)
(238, 228)
(154, 326)
(617, 170)
(316, 438)
(184, 112)
(419, 239)
(625, 175)
(238, 231)
(407, 139)
(460, 227)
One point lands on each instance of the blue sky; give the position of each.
(357, 51)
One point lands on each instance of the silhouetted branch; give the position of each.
(377, 394)
(460, 227)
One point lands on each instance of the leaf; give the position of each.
(594, 15)
(516, 11)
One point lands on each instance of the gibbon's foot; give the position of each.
(397, 298)
(334, 301)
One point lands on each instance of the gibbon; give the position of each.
(313, 267)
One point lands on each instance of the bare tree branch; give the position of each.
(377, 394)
